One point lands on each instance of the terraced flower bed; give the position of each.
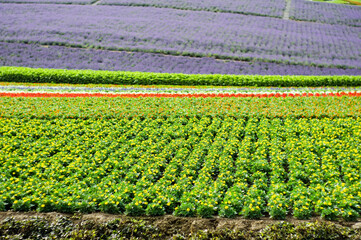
(179, 119)
(230, 157)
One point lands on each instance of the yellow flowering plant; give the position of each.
(123, 156)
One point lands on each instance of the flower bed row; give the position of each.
(183, 166)
(103, 88)
(119, 108)
(178, 95)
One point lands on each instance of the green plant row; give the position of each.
(21, 74)
(183, 166)
(120, 108)
(66, 228)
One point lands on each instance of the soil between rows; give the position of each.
(170, 224)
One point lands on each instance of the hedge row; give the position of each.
(22, 74)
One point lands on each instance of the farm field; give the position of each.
(133, 119)
(257, 38)
(326, 13)
(189, 157)
(186, 166)
(351, 2)
(317, 38)
(45, 56)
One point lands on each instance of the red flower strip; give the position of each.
(180, 95)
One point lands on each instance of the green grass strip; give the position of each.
(22, 74)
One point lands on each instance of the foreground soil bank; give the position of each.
(32, 225)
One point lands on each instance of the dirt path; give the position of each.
(96, 2)
(286, 14)
(173, 224)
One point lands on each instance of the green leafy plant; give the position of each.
(2, 206)
(111, 207)
(155, 209)
(186, 210)
(134, 209)
(205, 211)
(227, 211)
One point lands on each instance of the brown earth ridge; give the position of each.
(170, 225)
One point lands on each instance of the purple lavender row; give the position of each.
(273, 8)
(49, 1)
(182, 32)
(32, 55)
(268, 8)
(326, 12)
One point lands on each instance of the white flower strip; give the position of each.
(180, 89)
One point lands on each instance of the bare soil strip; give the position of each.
(96, 2)
(172, 224)
(286, 14)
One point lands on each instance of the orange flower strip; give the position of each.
(180, 95)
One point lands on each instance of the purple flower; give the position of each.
(256, 7)
(182, 32)
(32, 55)
(326, 12)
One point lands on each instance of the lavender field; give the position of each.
(50, 1)
(33, 55)
(182, 36)
(326, 13)
(273, 8)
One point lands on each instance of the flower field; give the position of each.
(182, 162)
(326, 13)
(272, 8)
(81, 2)
(180, 119)
(204, 38)
(118, 108)
(169, 91)
(37, 56)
